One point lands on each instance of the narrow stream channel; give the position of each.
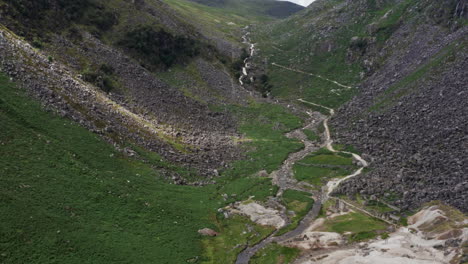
(284, 177)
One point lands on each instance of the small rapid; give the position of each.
(251, 52)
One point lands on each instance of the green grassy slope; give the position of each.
(329, 40)
(296, 43)
(273, 8)
(66, 196)
(275, 254)
(225, 21)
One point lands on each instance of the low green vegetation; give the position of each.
(263, 126)
(362, 236)
(293, 85)
(102, 77)
(328, 159)
(297, 202)
(275, 254)
(347, 148)
(339, 55)
(361, 226)
(225, 21)
(159, 48)
(318, 176)
(321, 166)
(36, 23)
(235, 233)
(241, 188)
(311, 135)
(390, 19)
(67, 196)
(295, 51)
(378, 206)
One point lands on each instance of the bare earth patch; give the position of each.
(260, 214)
(431, 238)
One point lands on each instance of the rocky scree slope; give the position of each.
(411, 118)
(83, 69)
(407, 59)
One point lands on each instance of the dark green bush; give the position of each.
(40, 17)
(159, 48)
(362, 236)
(263, 86)
(101, 77)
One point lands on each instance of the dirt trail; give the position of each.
(284, 177)
(312, 74)
(333, 184)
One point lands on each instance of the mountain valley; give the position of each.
(233, 131)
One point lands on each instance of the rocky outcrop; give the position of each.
(410, 119)
(158, 117)
(208, 232)
(260, 214)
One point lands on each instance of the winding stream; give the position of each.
(284, 177)
(246, 40)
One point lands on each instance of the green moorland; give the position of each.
(225, 20)
(361, 226)
(285, 43)
(263, 126)
(234, 232)
(67, 196)
(298, 202)
(275, 254)
(323, 165)
(311, 135)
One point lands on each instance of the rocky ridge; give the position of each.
(417, 129)
(59, 88)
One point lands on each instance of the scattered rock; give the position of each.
(208, 232)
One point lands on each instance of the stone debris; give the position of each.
(208, 232)
(260, 214)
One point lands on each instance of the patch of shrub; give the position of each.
(361, 236)
(263, 86)
(100, 18)
(159, 48)
(40, 17)
(358, 43)
(101, 77)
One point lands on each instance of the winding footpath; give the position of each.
(333, 184)
(311, 74)
(284, 177)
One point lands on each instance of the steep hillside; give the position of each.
(67, 196)
(222, 21)
(180, 131)
(403, 64)
(259, 7)
(131, 58)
